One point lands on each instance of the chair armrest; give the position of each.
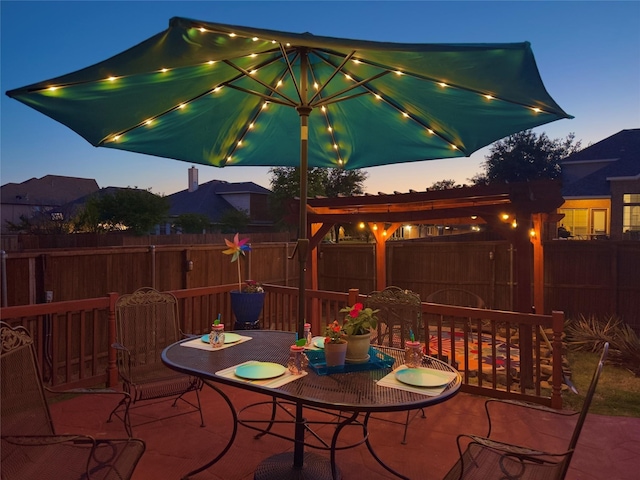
(82, 391)
(44, 440)
(509, 449)
(521, 404)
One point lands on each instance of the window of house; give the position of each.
(576, 220)
(631, 212)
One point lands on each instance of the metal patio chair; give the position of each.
(399, 315)
(146, 323)
(31, 449)
(484, 458)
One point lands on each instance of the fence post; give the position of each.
(3, 272)
(557, 324)
(112, 369)
(353, 296)
(152, 250)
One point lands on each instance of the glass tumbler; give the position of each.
(298, 360)
(216, 337)
(413, 354)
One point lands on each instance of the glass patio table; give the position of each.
(350, 394)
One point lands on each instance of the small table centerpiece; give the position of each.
(357, 326)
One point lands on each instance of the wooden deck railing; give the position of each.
(73, 338)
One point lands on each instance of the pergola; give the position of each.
(520, 212)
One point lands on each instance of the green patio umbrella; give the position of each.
(225, 95)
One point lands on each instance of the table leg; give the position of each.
(373, 453)
(299, 465)
(233, 434)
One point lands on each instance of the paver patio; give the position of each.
(609, 447)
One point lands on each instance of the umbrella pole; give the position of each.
(304, 110)
(303, 242)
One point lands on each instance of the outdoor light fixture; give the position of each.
(361, 225)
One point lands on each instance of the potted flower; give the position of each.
(357, 326)
(247, 301)
(335, 345)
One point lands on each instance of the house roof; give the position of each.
(50, 190)
(209, 200)
(623, 148)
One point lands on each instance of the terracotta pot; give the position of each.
(335, 353)
(358, 348)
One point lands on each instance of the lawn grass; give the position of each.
(618, 391)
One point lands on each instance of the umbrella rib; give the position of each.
(285, 56)
(393, 104)
(325, 113)
(335, 72)
(329, 99)
(268, 98)
(257, 80)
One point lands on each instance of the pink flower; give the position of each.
(355, 311)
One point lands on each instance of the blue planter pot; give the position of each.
(247, 308)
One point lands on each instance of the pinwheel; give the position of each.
(236, 248)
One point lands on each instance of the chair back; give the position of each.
(587, 403)
(24, 408)
(146, 323)
(400, 313)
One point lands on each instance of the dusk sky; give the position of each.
(588, 55)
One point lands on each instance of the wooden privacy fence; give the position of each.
(73, 338)
(581, 277)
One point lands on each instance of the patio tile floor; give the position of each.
(609, 447)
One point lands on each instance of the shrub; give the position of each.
(590, 334)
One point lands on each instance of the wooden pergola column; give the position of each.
(381, 237)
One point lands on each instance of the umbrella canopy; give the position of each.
(225, 95)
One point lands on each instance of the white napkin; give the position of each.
(283, 379)
(391, 381)
(198, 343)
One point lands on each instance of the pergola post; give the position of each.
(381, 236)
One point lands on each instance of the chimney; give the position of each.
(193, 179)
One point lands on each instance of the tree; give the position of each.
(124, 209)
(525, 156)
(285, 185)
(234, 221)
(344, 182)
(328, 182)
(192, 222)
(40, 223)
(443, 184)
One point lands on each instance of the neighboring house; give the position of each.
(601, 189)
(216, 198)
(41, 195)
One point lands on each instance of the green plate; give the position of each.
(318, 342)
(423, 377)
(228, 338)
(260, 370)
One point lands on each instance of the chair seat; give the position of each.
(147, 322)
(43, 457)
(29, 447)
(483, 463)
(167, 387)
